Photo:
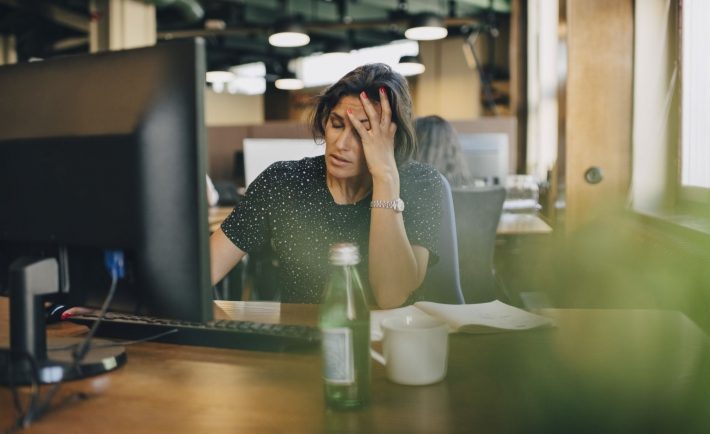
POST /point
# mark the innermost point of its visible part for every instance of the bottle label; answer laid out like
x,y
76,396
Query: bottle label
x,y
338,363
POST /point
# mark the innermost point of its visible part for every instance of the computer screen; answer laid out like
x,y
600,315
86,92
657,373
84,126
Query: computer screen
x,y
107,151
261,153
486,155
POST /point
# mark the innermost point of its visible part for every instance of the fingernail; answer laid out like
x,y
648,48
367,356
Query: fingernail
x,y
363,95
66,315
350,111
382,90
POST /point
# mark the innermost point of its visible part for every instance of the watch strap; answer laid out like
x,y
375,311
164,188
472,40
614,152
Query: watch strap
x,y
395,204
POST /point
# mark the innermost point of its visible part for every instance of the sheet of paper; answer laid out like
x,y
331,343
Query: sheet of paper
x,y
484,317
521,204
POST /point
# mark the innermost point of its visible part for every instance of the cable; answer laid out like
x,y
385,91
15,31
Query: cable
x,y
116,344
113,260
21,420
137,341
77,355
80,352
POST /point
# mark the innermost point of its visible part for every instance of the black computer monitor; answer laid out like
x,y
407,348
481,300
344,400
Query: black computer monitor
x,y
107,152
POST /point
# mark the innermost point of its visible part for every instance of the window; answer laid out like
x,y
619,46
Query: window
x,y
695,100
671,131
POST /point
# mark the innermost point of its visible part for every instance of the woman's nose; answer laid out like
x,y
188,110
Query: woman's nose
x,y
346,139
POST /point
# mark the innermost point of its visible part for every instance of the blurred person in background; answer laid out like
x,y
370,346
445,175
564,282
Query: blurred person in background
x,y
438,145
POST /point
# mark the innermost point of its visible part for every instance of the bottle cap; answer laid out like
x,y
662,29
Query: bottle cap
x,y
344,254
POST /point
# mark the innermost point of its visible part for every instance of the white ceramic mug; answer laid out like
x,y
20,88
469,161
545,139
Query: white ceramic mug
x,y
415,350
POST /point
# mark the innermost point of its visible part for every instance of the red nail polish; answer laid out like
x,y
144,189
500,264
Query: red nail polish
x,y
350,111
363,95
66,315
382,89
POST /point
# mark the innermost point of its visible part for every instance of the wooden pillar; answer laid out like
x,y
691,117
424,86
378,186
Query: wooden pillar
x,y
598,106
8,53
121,24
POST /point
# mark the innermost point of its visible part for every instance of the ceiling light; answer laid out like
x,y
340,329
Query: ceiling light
x,y
219,76
321,70
247,79
215,24
218,86
254,69
289,33
426,27
288,83
247,85
409,65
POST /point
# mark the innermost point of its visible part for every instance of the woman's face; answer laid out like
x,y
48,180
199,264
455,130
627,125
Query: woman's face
x,y
344,157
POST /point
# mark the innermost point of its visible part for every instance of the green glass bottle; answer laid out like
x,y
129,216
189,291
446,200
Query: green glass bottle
x,y
345,325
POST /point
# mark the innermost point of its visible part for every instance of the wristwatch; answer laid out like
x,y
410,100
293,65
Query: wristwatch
x,y
395,204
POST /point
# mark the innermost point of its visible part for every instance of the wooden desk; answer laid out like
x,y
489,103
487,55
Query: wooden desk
x,y
599,371
522,224
216,215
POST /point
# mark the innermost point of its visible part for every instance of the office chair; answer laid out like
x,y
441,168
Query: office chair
x,y
441,283
477,212
228,193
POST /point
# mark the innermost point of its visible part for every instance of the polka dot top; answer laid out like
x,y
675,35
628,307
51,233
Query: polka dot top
x,y
290,208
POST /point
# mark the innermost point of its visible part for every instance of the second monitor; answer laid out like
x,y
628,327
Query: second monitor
x,y
261,153
487,156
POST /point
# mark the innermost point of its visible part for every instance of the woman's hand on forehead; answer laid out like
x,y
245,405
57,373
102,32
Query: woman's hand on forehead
x,y
378,140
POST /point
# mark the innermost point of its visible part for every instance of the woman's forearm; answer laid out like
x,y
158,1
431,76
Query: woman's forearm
x,y
224,255
395,270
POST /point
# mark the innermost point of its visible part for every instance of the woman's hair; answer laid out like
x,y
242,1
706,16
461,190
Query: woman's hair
x,y
438,145
370,78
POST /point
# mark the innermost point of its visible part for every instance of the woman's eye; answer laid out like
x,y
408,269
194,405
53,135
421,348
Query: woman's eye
x,y
336,125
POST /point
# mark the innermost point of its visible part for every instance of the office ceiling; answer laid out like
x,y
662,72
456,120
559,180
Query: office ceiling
x,y
236,30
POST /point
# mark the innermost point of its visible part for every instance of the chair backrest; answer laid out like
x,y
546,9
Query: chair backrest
x,y
228,193
477,212
442,283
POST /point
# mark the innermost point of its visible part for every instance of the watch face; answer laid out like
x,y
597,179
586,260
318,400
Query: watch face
x,y
399,205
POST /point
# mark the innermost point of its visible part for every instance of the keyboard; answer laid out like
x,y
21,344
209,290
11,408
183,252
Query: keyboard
x,y
234,334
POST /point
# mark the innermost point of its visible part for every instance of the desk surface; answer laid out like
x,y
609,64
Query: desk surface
x,y
522,224
217,214
598,371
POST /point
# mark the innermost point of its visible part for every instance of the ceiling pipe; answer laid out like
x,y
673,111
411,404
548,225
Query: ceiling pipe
x,y
313,26
191,10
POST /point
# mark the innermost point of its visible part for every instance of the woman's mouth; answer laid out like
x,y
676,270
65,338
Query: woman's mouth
x,y
338,160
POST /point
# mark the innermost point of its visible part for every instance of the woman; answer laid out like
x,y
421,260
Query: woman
x,y
352,193
438,145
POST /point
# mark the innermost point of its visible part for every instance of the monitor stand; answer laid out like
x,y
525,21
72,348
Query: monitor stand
x,y
29,360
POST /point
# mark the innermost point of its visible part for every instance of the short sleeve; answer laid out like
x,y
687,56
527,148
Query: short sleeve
x,y
248,224
422,191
